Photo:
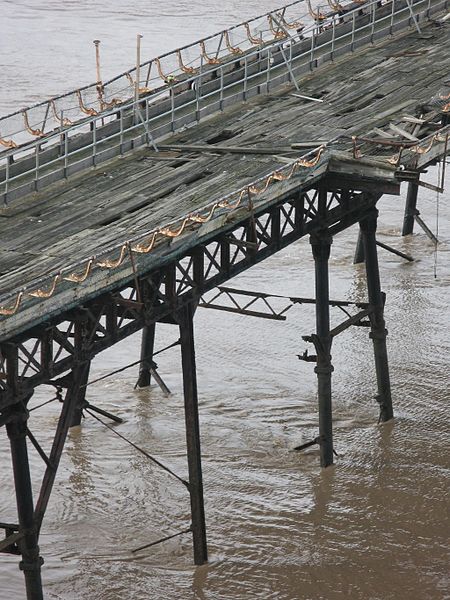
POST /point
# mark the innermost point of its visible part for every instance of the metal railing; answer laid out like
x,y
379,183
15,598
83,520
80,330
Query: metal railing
x,y
187,98
42,118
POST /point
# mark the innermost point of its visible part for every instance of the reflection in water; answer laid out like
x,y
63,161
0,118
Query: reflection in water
x,y
372,527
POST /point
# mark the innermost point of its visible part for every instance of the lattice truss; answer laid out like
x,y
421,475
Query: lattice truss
x,y
50,351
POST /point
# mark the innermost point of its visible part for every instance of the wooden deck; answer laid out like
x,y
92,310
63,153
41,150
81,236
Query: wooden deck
x,y
90,212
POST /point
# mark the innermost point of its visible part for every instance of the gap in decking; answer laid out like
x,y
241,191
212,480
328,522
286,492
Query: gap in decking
x,y
223,136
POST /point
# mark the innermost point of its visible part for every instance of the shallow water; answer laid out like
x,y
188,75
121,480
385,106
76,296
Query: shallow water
x,y
374,526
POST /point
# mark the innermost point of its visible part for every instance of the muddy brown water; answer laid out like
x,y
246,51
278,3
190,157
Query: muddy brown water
x,y
375,526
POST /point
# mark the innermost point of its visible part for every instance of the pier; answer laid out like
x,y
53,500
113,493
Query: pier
x,y
134,202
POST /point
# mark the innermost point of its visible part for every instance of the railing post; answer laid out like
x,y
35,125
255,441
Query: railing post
x,y
197,90
8,162
221,88
269,58
121,131
66,154
311,58
94,141
352,44
172,108
36,168
333,38
245,78
374,8
392,17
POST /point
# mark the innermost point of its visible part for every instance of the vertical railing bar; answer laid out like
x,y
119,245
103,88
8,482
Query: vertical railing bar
x,y
172,108
38,146
221,89
352,44
392,17
66,154
333,38
147,119
313,39
8,159
121,130
373,22
94,141
245,77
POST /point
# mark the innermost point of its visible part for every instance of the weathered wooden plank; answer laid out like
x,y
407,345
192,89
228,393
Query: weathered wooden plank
x,y
127,196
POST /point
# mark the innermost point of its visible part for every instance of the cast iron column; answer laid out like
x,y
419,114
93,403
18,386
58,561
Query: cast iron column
x,y
147,346
185,318
31,561
81,386
359,251
376,301
410,208
321,243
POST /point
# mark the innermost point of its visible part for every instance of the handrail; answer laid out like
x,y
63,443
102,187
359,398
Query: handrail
x,y
145,243
93,88
105,135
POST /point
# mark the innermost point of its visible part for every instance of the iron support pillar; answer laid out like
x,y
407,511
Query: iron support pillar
x,y
185,318
65,419
147,347
321,244
410,208
31,561
378,331
81,386
359,251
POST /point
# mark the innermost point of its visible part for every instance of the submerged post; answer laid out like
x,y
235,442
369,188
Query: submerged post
x,y
321,243
185,318
31,561
359,251
16,428
378,331
81,386
410,207
147,347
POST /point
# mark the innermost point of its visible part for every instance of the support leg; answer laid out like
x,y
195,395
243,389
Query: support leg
x,y
378,330
321,251
359,251
65,419
28,545
185,317
410,208
147,346
78,411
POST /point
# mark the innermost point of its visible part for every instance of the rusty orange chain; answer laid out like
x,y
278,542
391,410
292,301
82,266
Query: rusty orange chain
x,y
173,229
90,111
205,214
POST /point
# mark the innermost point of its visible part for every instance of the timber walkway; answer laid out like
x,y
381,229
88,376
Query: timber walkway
x,y
383,85
122,212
